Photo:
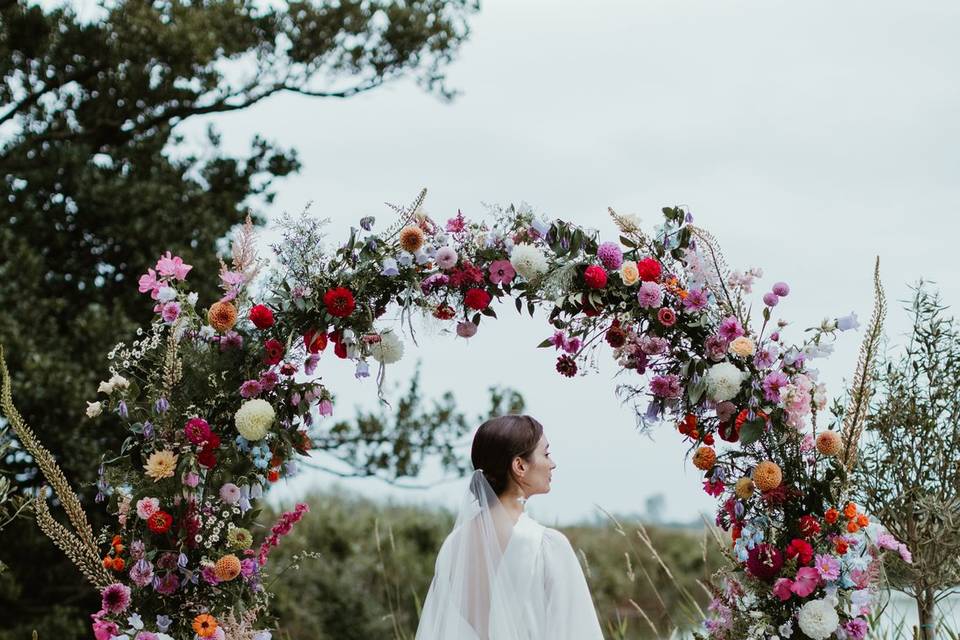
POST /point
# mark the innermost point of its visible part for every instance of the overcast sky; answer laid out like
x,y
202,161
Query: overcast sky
x,y
808,137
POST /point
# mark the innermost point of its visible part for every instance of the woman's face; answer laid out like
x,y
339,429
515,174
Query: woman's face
x,y
535,472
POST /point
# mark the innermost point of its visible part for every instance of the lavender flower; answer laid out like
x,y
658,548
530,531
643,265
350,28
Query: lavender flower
x,y
781,289
161,405
142,572
390,268
771,299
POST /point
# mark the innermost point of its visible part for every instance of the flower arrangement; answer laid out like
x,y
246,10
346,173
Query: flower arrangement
x,y
218,402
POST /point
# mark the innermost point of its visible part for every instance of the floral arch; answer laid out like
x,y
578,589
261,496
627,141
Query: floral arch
x,y
219,400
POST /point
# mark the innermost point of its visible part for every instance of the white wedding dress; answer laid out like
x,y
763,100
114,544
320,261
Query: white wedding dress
x,y
496,580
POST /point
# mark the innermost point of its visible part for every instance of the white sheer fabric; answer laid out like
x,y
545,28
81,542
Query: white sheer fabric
x,y
496,580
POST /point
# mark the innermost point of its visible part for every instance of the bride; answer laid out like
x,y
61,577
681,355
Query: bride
x,y
500,575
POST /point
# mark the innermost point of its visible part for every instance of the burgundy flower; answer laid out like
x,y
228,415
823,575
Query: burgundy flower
x,y
567,366
764,561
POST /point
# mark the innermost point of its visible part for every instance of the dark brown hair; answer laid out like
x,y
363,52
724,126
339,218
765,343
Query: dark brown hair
x,y
498,441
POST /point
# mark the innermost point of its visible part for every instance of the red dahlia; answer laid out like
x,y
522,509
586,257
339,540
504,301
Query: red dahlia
x,y
261,316
339,302
595,277
274,351
567,366
160,522
649,270
315,341
477,299
801,550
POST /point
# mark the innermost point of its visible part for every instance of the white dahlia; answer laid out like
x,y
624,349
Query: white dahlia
x,y
818,619
389,349
253,419
723,381
528,261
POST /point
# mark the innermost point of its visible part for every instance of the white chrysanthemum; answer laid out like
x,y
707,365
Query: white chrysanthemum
x,y
723,381
818,619
389,349
528,261
253,419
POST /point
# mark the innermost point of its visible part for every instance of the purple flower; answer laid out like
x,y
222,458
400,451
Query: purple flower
x,y
695,301
730,329
716,348
310,364
572,345
558,340
325,408
142,572
209,575
772,384
170,312
770,299
137,549
848,322
146,635
828,566
667,386
856,629
649,295
610,255
250,389
766,357
781,289
231,340
248,567
115,598
390,267
161,405
268,380
191,479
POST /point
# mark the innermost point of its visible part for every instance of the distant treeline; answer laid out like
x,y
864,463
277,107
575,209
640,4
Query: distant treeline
x,y
376,561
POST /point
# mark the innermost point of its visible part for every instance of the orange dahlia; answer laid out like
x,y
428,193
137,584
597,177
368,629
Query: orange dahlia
x,y
411,238
767,475
704,458
222,316
829,443
205,625
831,515
227,567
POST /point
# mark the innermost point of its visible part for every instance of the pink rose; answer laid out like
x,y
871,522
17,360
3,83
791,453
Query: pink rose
x,y
146,507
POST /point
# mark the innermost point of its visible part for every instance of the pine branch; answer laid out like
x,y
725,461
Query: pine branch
x,y
45,460
855,414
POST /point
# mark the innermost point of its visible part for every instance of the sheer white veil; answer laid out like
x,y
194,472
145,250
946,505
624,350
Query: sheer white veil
x,y
468,584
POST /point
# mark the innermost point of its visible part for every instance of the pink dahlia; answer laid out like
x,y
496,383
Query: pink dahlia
x,y
115,598
610,255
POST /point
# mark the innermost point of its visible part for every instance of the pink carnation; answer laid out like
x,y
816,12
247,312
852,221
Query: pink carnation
x,y
146,507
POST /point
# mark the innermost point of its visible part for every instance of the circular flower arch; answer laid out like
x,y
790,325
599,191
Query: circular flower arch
x,y
220,399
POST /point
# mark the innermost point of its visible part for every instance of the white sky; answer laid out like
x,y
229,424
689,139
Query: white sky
x,y
809,137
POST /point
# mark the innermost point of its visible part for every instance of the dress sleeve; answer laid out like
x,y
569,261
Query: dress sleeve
x,y
570,611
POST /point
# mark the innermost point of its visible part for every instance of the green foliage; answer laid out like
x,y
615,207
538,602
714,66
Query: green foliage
x,y
96,182
907,473
376,562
